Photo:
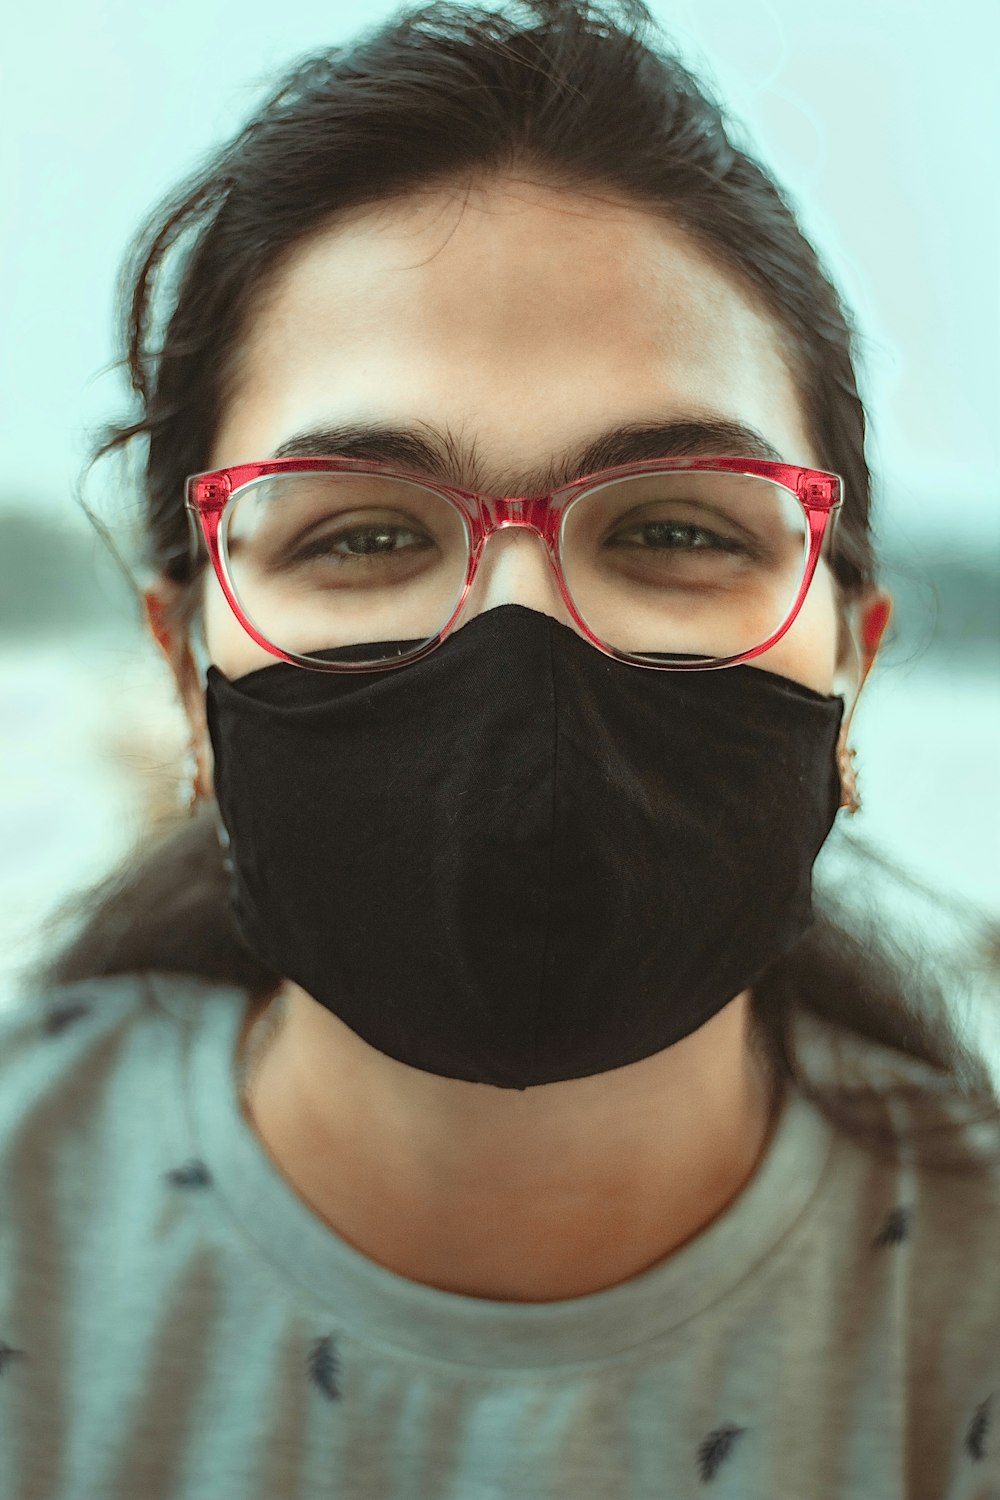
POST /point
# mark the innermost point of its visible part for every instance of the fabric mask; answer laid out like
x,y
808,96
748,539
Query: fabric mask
x,y
518,860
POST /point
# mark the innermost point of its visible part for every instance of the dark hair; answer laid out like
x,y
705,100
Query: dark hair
x,y
580,98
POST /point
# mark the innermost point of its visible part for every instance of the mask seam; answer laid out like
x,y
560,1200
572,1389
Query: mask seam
x,y
548,883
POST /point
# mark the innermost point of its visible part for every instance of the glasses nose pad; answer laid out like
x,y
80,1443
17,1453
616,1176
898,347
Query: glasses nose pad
x,y
515,568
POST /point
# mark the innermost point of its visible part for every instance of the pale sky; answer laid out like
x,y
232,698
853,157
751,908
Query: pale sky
x,y
881,117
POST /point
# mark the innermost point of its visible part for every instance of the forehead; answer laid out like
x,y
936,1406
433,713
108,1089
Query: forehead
x,y
519,315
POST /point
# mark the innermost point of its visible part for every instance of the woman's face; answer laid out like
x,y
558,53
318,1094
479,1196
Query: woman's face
x,y
525,321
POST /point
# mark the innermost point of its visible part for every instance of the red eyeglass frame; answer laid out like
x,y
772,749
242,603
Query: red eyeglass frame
x,y
819,493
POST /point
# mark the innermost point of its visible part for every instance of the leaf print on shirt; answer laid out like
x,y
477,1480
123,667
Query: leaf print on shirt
x,y
716,1449
895,1229
975,1438
192,1174
8,1355
324,1366
64,1015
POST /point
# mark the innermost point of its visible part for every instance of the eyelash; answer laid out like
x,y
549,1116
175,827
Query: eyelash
x,y
321,547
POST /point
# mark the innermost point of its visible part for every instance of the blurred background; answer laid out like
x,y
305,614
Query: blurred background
x,y
883,123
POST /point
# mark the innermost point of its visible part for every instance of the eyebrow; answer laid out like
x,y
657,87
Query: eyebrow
x,y
437,452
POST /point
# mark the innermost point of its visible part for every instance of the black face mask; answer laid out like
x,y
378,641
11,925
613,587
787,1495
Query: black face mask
x,y
519,860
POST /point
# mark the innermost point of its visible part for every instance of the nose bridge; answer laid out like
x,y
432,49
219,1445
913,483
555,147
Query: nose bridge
x,y
515,565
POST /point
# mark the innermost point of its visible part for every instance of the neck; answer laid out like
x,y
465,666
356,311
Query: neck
x,y
554,1192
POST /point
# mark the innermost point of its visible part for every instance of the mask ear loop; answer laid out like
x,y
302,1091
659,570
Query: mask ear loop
x,y
199,649
202,660
847,684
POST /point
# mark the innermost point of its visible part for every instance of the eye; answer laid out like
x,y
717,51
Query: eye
x,y
678,536
379,540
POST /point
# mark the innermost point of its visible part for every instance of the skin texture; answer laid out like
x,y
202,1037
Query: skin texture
x,y
528,319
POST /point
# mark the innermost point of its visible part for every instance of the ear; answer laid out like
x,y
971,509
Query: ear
x,y
868,622
875,614
160,605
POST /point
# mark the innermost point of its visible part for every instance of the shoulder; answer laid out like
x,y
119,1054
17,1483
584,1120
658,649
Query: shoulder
x,y
60,1047
41,1035
924,1143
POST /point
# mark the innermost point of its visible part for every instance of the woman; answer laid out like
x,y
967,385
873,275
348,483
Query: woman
x,y
439,1134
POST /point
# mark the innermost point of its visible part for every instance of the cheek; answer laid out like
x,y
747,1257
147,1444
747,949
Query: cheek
x,y
232,650
808,652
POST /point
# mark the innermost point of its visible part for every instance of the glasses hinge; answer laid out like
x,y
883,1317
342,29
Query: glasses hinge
x,y
819,491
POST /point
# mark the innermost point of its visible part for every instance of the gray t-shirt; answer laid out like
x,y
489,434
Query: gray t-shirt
x,y
176,1321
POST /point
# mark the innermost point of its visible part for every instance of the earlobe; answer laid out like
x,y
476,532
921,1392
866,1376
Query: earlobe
x,y
155,619
875,620
864,627
875,613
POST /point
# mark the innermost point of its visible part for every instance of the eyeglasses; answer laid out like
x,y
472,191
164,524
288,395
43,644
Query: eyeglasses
x,y
676,564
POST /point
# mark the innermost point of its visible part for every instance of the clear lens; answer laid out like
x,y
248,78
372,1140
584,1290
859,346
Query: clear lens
x,y
692,563
680,563
320,561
